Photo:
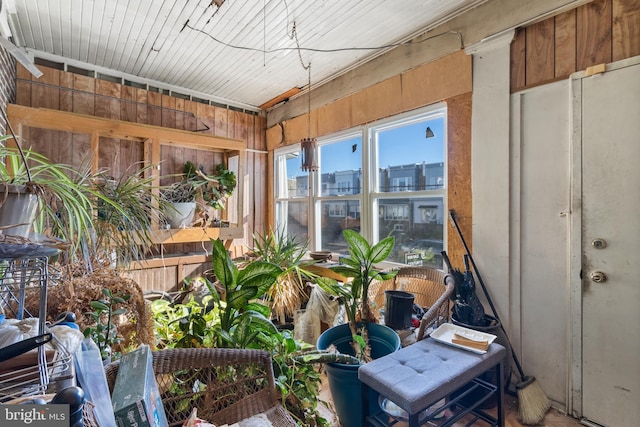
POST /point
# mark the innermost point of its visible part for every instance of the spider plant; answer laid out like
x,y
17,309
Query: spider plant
x,y
65,206
126,210
82,208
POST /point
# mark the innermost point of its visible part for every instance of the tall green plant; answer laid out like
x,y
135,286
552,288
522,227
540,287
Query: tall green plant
x,y
360,267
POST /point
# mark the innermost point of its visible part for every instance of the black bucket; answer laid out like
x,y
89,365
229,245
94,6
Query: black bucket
x,y
398,309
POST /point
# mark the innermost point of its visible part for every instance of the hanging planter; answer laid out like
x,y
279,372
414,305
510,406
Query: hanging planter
x,y
19,203
38,195
18,209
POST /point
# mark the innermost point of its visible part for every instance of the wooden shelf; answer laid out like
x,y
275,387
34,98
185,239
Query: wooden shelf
x,y
188,235
152,139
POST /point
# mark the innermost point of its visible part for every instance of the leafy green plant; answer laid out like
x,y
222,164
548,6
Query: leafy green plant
x,y
288,293
244,321
184,325
354,293
298,381
195,184
192,324
104,333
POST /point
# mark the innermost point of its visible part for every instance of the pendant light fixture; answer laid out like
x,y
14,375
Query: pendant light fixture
x,y
309,146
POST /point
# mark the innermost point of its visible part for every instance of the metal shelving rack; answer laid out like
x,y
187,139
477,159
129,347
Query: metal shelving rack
x,y
25,275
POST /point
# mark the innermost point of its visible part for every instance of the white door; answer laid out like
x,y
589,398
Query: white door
x,y
611,247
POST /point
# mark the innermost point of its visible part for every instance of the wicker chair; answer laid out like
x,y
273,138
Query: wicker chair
x,y
226,385
432,288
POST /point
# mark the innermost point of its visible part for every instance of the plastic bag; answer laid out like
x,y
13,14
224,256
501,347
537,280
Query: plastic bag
x,y
320,308
91,377
324,304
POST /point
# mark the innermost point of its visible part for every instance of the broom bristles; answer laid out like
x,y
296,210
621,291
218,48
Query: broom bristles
x,y
533,403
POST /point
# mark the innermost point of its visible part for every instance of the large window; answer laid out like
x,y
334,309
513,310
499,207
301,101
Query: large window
x,y
384,179
292,194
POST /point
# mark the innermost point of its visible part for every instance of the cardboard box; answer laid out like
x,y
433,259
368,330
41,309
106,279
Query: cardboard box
x,y
136,398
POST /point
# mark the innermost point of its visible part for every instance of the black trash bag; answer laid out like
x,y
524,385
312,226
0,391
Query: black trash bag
x,y
418,311
456,274
469,306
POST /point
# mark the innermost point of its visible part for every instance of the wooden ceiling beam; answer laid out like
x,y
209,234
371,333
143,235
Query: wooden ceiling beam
x,y
280,98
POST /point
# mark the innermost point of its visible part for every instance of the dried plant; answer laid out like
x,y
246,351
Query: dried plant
x,y
289,293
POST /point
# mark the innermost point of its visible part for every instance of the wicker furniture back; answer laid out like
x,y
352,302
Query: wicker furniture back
x,y
432,288
226,385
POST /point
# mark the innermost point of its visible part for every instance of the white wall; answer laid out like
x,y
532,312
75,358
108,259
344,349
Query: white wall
x,y
520,170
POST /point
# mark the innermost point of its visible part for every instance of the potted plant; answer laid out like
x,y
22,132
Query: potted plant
x,y
361,336
197,190
89,215
56,195
288,294
126,209
231,315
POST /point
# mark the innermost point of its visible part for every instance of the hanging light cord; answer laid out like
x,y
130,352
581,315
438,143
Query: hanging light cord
x,y
309,103
294,36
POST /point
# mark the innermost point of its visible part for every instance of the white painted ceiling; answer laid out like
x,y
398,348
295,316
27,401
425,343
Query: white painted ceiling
x,y
244,52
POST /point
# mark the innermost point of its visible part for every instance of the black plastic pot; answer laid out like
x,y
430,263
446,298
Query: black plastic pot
x,y
398,309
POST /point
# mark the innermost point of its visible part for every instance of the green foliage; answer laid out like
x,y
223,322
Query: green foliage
x,y
195,184
86,209
65,207
105,333
298,381
242,322
354,294
125,214
186,325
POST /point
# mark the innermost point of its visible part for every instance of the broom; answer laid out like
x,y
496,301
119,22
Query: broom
x,y
533,403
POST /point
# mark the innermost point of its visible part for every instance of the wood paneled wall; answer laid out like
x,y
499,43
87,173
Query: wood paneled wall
x,y
599,32
66,91
427,84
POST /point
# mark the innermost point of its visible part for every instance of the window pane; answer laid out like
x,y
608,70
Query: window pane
x,y
341,167
417,225
294,216
336,216
292,181
407,159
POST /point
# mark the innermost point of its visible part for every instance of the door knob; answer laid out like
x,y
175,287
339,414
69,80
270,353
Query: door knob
x,y
598,276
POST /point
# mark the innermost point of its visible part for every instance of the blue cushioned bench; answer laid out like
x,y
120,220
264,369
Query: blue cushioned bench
x,y
418,376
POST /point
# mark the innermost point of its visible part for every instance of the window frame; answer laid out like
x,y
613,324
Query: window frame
x,y
370,195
